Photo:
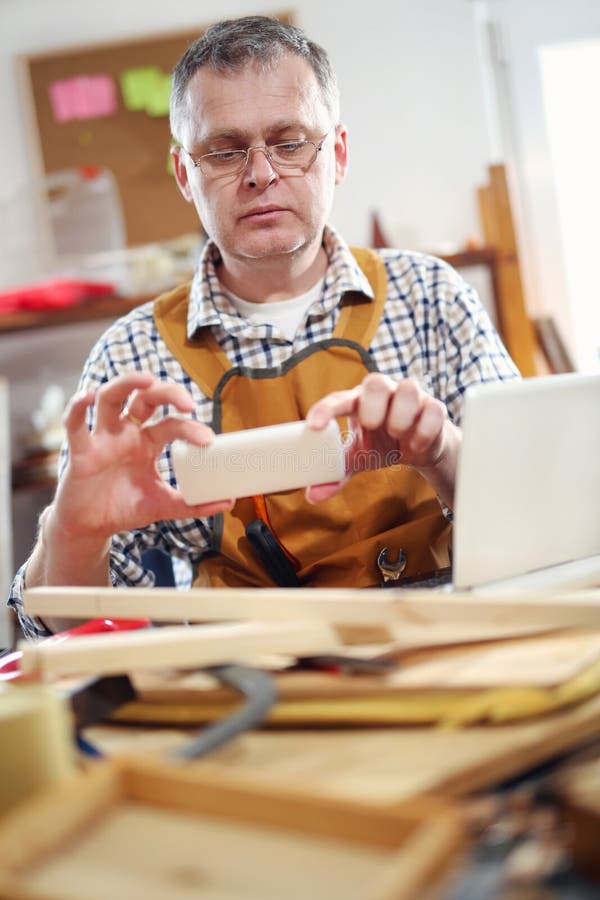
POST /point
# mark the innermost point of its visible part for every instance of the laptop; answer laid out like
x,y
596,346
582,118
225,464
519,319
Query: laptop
x,y
527,505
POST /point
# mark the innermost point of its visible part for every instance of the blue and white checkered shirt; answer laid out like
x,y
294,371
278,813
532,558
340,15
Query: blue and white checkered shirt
x,y
434,330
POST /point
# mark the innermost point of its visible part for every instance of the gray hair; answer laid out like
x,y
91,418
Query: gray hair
x,y
230,45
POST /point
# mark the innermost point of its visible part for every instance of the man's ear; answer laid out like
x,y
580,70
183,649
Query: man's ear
x,y
341,153
180,170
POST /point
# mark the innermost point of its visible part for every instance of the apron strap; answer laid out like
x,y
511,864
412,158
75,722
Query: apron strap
x,y
359,319
202,357
205,361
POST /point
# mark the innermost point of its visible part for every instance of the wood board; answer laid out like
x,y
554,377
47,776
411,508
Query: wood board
x,y
113,652
384,767
545,661
143,831
340,606
458,686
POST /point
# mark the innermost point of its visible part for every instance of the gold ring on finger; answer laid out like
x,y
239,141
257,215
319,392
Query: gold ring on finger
x,y
129,415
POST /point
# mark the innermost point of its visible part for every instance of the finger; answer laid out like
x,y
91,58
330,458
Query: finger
x,y
142,404
317,493
112,395
172,429
75,420
178,509
405,408
374,401
173,506
339,403
428,432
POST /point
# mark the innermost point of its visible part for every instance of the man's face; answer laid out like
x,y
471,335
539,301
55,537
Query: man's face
x,y
261,212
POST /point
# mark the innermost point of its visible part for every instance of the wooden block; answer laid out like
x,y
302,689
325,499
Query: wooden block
x,y
178,646
36,743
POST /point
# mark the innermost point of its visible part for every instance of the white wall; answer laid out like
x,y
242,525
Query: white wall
x,y
524,27
410,87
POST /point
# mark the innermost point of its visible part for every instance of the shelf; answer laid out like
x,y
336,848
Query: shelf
x,y
478,256
87,311
113,307
35,472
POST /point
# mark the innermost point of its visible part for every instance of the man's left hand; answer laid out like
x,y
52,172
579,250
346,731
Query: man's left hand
x,y
391,422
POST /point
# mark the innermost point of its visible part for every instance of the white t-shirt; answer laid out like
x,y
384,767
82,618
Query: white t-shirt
x,y
285,315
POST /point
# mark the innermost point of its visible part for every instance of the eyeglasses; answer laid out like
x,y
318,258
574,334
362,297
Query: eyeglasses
x,y
299,155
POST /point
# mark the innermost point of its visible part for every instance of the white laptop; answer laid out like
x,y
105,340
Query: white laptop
x,y
527,507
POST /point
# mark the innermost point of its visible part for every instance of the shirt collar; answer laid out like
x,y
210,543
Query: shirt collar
x,y
209,304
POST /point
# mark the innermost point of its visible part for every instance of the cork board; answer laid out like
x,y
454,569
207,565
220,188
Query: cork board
x,y
132,143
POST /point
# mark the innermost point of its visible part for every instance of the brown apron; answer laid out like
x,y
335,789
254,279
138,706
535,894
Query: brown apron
x,y
336,543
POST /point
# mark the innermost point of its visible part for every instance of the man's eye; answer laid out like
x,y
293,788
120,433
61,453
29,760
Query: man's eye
x,y
225,156
289,147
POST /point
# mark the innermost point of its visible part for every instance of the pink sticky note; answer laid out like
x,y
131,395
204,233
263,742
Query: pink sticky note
x,y
83,97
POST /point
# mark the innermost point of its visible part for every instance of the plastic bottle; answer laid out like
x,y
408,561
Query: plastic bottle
x,y
85,212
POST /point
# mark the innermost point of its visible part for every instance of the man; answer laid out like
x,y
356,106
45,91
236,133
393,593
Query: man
x,y
282,322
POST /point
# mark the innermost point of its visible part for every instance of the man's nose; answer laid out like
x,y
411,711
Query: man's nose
x,y
259,170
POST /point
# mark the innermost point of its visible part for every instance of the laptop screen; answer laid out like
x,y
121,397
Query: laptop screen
x,y
528,481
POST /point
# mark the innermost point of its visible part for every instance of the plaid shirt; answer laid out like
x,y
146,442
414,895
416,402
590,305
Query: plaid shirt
x,y
434,330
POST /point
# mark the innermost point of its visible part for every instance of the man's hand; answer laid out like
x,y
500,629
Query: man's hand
x,y
111,482
391,422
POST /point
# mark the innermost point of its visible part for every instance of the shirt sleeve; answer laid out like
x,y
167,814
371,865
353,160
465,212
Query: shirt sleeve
x,y
33,628
118,351
468,349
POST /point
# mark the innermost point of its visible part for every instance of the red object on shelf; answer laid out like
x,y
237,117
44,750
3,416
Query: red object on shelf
x,y
54,294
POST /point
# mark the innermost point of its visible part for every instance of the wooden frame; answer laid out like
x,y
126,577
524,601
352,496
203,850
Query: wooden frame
x,y
274,843
515,325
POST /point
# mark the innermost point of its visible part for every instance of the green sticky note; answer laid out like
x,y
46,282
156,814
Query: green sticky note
x,y
159,95
138,86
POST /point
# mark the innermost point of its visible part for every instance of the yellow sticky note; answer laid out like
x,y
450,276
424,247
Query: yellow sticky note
x,y
138,86
157,103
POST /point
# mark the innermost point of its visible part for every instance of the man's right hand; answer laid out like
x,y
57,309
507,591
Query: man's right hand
x,y
111,481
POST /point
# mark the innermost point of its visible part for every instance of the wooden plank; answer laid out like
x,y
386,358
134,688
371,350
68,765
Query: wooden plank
x,y
499,231
337,606
175,646
561,610
372,607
